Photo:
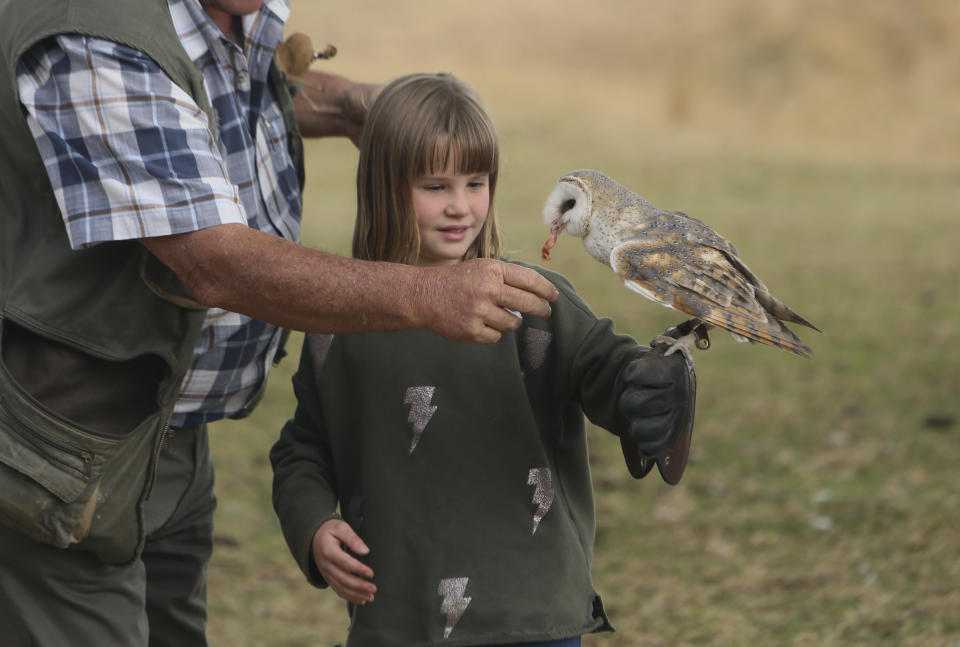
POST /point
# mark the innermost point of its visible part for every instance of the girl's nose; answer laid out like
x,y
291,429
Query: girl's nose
x,y
458,205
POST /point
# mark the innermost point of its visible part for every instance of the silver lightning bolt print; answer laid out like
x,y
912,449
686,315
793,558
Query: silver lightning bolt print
x,y
542,477
533,349
318,345
454,604
419,397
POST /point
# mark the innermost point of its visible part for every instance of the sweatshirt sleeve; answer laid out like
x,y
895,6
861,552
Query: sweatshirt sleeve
x,y
591,357
304,480
598,365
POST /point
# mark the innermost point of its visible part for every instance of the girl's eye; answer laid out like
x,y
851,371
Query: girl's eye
x,y
433,187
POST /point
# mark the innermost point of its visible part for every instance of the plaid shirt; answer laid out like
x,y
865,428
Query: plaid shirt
x,y
130,155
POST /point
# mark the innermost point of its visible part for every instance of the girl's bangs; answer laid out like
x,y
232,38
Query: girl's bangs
x,y
473,150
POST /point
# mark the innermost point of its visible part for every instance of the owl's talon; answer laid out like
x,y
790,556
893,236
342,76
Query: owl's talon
x,y
684,344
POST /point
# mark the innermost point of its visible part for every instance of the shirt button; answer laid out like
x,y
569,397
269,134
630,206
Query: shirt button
x,y
242,80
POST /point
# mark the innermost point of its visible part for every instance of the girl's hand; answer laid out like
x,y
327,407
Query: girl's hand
x,y
346,575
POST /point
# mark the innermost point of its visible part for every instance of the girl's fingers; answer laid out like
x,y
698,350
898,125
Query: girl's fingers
x,y
345,534
349,564
331,549
346,575
349,586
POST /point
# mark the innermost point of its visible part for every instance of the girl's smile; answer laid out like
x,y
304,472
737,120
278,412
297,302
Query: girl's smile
x,y
454,233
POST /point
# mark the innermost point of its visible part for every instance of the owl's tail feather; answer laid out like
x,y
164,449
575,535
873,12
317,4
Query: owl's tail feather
x,y
771,332
781,310
770,303
789,341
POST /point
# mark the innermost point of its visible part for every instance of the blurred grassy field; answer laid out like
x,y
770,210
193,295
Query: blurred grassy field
x,y
822,503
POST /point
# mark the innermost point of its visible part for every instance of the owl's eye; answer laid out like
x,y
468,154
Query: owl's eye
x,y
569,204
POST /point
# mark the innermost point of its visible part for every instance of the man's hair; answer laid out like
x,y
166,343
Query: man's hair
x,y
416,124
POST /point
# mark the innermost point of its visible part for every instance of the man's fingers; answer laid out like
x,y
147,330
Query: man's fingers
x,y
523,302
530,281
500,319
483,329
527,291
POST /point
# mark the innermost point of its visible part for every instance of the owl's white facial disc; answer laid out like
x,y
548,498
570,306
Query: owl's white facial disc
x,y
568,207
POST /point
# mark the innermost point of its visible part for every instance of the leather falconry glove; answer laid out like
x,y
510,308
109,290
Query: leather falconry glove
x,y
657,404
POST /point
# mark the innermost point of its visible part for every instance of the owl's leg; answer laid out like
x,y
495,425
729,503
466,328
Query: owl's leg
x,y
685,344
684,338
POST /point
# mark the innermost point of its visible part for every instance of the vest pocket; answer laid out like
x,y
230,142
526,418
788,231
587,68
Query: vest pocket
x,y
63,483
104,397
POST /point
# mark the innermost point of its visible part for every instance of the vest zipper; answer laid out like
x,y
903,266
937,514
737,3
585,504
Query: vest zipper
x,y
155,463
34,437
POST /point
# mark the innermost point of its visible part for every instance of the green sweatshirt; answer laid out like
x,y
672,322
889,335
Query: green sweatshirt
x,y
463,467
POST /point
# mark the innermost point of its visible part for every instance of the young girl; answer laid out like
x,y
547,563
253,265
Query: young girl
x,y
460,471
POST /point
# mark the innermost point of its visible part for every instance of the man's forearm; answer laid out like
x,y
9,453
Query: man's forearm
x,y
283,283
280,282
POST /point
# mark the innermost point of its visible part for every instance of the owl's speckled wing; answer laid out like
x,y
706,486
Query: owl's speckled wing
x,y
682,264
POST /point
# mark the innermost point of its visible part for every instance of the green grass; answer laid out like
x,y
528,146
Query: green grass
x,y
821,506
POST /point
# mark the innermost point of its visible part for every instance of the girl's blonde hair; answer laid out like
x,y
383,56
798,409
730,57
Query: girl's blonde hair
x,y
417,122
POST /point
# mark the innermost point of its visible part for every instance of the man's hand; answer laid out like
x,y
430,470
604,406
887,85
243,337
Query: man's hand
x,y
346,575
356,104
657,401
468,302
328,105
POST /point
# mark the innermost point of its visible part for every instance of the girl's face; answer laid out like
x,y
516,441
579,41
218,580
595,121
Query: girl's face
x,y
451,208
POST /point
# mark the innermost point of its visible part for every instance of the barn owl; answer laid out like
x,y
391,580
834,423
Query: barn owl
x,y
672,259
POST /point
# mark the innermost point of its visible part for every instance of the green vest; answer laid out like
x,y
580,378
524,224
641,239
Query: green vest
x,y
95,341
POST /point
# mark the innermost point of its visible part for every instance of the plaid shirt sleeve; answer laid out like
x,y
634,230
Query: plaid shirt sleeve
x,y
129,153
